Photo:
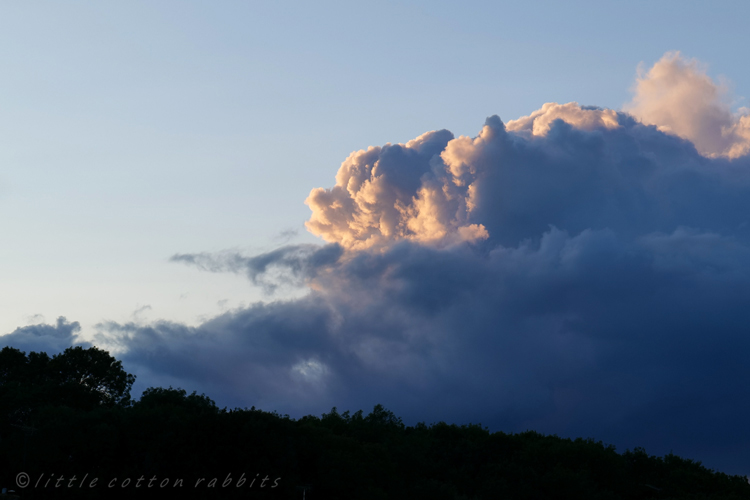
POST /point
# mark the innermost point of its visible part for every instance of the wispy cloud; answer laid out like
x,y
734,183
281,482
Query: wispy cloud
x,y
291,265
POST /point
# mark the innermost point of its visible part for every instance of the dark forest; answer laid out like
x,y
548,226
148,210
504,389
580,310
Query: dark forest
x,y
69,424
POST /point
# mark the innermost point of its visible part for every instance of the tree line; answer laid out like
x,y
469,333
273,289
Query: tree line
x,y
68,420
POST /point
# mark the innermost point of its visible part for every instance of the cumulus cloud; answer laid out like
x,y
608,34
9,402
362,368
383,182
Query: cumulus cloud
x,y
398,191
679,97
434,189
586,118
578,271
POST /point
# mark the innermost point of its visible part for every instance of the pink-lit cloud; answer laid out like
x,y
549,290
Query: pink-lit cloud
x,y
679,97
395,192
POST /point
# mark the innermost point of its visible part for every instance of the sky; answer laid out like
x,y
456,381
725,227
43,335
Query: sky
x,y
532,215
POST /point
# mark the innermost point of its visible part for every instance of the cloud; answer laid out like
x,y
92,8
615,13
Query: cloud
x,y
539,122
576,271
636,341
398,191
579,271
292,265
42,337
677,96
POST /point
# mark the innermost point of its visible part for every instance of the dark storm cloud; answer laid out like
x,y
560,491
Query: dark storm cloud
x,y
638,342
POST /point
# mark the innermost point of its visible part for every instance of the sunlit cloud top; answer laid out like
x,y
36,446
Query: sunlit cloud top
x,y
679,97
427,190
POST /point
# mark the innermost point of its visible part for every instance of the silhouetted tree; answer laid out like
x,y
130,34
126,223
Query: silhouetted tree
x,y
93,375
72,414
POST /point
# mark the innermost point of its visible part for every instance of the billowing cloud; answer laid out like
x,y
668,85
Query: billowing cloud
x,y
576,271
579,271
399,191
539,122
677,96
435,189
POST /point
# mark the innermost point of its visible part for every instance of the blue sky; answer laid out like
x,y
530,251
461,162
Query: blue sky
x,y
134,132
